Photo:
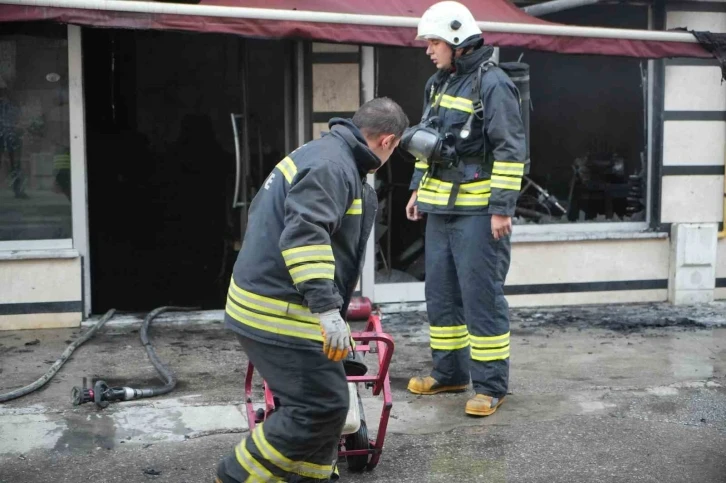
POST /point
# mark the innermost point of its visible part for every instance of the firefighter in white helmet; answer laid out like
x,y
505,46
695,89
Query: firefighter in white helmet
x,y
451,22
470,153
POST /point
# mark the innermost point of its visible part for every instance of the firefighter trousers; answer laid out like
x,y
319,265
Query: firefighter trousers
x,y
468,314
299,441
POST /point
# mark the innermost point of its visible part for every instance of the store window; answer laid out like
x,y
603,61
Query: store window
x,y
35,182
588,142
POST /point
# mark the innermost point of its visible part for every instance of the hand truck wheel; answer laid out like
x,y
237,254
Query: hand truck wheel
x,y
355,441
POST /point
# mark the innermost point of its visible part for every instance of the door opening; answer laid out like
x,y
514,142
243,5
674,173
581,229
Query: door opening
x,y
161,158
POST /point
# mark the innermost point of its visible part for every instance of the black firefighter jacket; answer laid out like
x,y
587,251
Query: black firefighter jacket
x,y
305,240
489,180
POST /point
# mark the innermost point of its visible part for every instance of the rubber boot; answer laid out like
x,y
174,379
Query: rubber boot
x,y
428,386
481,405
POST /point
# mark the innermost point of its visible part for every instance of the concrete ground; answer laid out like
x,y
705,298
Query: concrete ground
x,y
598,394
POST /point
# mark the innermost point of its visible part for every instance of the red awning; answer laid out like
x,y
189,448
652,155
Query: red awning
x,y
500,11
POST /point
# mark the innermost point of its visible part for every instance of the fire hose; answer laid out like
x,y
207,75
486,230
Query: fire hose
x,y
101,394
58,364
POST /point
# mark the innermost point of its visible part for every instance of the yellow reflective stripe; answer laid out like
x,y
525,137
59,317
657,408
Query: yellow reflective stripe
x,y
309,253
274,325
449,344
255,469
270,306
352,340
436,192
508,168
504,338
433,184
458,103
507,183
449,338
500,345
431,198
472,200
476,187
490,348
309,271
421,165
287,168
451,331
356,208
461,200
489,355
62,161
302,468
457,107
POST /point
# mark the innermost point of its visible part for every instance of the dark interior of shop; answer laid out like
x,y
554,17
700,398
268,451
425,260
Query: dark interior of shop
x,y
161,160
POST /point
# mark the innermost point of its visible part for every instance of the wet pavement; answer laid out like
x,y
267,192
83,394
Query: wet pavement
x,y
598,394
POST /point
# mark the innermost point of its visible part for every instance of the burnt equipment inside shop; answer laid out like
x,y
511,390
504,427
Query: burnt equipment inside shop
x,y
585,167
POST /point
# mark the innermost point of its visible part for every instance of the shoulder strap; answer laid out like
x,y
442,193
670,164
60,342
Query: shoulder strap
x,y
432,98
483,69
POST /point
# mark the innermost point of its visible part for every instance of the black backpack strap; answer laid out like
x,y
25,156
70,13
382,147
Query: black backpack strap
x,y
478,106
432,99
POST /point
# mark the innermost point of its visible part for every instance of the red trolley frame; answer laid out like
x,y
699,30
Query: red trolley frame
x,y
372,340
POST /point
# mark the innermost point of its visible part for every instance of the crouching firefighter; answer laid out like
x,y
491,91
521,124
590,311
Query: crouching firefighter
x,y
299,264
470,151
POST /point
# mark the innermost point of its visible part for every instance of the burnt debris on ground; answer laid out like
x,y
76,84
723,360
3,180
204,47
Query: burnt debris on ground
x,y
622,318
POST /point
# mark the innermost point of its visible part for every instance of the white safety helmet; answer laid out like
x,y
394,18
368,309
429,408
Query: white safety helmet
x,y
451,22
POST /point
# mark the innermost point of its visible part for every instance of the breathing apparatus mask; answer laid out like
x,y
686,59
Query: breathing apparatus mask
x,y
426,143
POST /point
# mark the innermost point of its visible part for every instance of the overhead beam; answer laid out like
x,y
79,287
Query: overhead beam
x,y
349,19
553,6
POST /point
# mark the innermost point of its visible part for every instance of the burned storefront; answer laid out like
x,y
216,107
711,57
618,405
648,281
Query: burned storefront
x,y
167,118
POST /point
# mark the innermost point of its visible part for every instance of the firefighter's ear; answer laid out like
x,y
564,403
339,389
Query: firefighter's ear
x,y
389,141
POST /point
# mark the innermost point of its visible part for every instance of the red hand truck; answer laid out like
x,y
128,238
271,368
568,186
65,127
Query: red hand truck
x,y
359,450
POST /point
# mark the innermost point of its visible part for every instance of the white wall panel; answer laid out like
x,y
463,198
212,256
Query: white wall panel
x,y
39,281
573,262
694,88
584,298
595,261
29,281
318,128
721,259
40,321
710,21
700,143
336,87
692,199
